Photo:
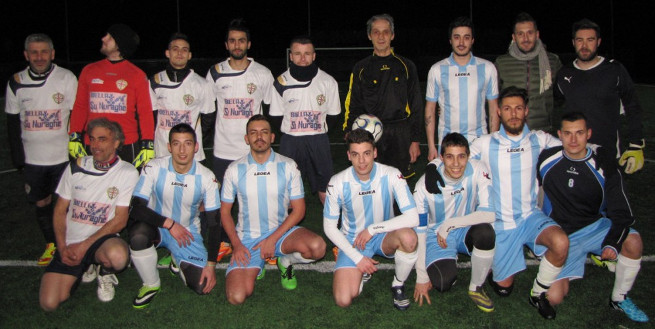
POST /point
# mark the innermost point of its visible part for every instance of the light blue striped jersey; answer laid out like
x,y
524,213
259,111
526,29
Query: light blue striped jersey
x,y
264,192
461,92
513,166
361,204
472,192
178,196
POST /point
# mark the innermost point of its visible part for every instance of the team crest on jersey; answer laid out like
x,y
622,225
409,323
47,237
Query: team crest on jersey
x,y
112,192
58,98
251,88
188,99
320,99
385,67
121,84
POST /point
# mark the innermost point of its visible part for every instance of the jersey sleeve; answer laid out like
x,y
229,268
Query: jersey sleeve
x,y
229,188
128,182
630,103
144,109
64,187
277,100
80,111
431,93
353,103
332,207
146,181
333,100
11,101
492,84
211,197
483,180
295,186
268,87
618,208
207,92
401,192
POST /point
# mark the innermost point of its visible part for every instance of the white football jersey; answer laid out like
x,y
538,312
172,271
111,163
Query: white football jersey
x,y
179,102
239,96
513,165
361,204
461,92
264,192
178,196
304,105
44,107
94,195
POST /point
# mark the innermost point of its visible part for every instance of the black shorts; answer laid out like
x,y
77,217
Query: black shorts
x,y
313,157
42,181
57,266
393,146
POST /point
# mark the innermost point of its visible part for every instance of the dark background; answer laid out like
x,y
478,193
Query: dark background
x,y
421,29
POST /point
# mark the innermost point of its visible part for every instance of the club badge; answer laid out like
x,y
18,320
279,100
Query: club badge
x,y
251,88
188,99
320,99
58,98
121,84
112,192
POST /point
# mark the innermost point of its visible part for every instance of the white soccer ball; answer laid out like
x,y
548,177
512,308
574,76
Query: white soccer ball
x,y
370,123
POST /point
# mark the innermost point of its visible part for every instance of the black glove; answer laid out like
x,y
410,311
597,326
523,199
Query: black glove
x,y
433,179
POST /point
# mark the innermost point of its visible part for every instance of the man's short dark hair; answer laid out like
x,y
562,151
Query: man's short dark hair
x,y
585,24
178,36
257,117
386,17
182,128
459,22
573,117
514,91
238,24
524,17
301,39
112,126
455,139
358,136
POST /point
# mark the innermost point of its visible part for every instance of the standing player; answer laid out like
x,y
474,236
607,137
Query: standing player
x,y
585,195
455,220
602,89
460,83
116,89
267,185
363,195
180,95
307,98
386,85
511,156
528,65
93,204
240,85
166,206
38,104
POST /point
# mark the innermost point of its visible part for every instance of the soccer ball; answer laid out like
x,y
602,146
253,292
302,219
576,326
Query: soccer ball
x,y
369,123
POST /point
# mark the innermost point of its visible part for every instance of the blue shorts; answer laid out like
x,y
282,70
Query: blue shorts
x,y
509,258
256,260
373,247
456,244
588,239
195,253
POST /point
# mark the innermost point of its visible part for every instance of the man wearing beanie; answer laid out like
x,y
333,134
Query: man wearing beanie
x,y
118,90
305,122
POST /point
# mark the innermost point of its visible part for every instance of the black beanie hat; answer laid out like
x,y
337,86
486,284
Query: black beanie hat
x,y
126,39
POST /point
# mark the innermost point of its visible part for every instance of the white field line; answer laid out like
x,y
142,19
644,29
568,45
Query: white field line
x,y
322,267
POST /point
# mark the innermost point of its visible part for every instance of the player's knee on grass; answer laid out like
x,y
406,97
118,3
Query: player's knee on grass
x,y
191,276
480,236
443,274
142,236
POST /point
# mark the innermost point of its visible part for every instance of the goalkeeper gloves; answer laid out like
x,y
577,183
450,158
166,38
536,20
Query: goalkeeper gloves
x,y
433,178
76,146
146,154
634,157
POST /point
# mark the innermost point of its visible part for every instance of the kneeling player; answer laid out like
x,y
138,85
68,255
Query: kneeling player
x,y
166,207
363,196
93,206
267,185
584,195
456,219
